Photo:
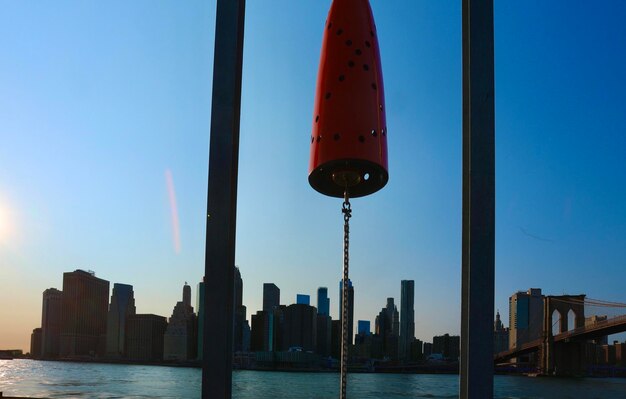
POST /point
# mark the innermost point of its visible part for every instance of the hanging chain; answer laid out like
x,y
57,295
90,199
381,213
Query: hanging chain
x,y
347,214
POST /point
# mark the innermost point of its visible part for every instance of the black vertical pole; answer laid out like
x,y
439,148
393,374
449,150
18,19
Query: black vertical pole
x,y
478,265
217,340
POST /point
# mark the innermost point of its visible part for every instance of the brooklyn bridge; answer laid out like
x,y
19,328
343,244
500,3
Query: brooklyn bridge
x,y
556,347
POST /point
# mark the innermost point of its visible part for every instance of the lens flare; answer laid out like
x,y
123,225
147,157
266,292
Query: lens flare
x,y
171,192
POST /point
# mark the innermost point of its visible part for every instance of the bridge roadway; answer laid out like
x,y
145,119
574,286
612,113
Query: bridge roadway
x,y
599,329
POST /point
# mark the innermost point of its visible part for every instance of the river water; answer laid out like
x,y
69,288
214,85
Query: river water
x,y
84,380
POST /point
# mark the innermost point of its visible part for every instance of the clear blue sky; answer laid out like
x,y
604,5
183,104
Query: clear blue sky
x,y
99,100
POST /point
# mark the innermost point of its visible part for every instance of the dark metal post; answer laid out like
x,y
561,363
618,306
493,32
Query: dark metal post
x,y
219,265
478,267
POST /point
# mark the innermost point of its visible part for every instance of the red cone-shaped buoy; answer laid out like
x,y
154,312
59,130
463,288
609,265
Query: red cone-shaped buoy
x,y
349,137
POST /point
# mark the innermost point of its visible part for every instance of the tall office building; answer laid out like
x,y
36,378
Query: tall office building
x,y
300,327
350,307
271,296
35,343
122,306
303,299
239,312
407,318
500,335
525,317
387,328
200,307
51,323
448,345
144,337
323,302
363,327
179,342
324,334
83,314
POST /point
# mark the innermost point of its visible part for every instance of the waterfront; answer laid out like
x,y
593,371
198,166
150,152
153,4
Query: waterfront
x,y
85,380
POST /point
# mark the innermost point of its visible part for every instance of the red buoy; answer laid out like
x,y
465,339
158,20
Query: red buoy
x,y
349,135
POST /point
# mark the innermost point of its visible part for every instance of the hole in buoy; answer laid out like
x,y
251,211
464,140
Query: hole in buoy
x,y
372,33
374,132
341,78
367,44
384,132
357,51
317,118
348,42
381,107
374,86
336,136
361,138
366,67
339,31
319,138
327,95
366,176
350,64
330,25
312,139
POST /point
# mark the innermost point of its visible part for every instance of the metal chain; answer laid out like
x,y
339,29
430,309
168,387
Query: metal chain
x,y
347,214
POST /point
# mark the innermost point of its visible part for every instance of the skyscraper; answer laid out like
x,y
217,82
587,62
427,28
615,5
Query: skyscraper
x,y
200,307
271,296
500,335
350,307
300,327
239,312
35,343
407,318
83,314
323,302
51,323
144,337
303,299
122,306
179,342
525,317
387,327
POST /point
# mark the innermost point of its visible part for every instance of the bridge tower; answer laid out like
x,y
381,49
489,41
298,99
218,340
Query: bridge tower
x,y
564,357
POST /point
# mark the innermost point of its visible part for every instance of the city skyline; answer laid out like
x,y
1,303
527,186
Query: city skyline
x,y
103,164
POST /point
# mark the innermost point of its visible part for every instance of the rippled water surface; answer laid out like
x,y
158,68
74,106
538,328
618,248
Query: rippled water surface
x,y
80,380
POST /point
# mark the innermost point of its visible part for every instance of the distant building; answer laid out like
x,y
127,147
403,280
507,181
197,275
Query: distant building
x,y
323,302
387,327
144,337
407,318
271,296
51,323
500,335
350,307
335,339
363,327
417,352
428,349
302,299
83,314
525,317
239,312
300,327
200,307
324,335
35,343
122,306
449,346
260,332
179,342
590,321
